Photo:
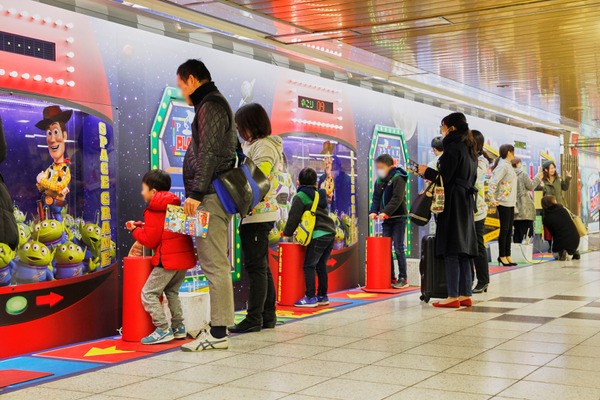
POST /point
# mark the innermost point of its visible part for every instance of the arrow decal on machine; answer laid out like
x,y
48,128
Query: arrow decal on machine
x,y
97,351
50,299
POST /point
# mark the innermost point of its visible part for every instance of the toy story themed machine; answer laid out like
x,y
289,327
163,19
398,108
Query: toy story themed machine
x,y
388,140
59,285
316,125
169,140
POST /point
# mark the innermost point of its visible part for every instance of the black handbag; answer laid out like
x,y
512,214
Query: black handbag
x,y
420,209
241,188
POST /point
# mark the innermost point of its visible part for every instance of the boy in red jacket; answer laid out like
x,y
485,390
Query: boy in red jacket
x,y
173,255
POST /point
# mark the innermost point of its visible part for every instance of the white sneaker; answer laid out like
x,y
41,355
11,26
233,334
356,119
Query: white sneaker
x,y
206,341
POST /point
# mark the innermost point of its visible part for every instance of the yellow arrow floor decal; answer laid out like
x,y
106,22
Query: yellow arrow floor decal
x,y
96,351
361,295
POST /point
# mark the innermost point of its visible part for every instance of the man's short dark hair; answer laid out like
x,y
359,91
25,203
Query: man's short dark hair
x,y
437,143
157,179
308,177
195,68
385,159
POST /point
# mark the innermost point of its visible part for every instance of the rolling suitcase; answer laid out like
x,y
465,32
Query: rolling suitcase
x,y
433,273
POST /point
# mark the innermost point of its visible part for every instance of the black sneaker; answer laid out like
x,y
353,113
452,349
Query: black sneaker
x,y
576,256
244,327
562,256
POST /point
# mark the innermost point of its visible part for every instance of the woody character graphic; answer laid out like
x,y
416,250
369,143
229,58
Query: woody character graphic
x,y
54,181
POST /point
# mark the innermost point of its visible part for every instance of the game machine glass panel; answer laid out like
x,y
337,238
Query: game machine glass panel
x,y
317,130
60,172
388,140
169,140
52,70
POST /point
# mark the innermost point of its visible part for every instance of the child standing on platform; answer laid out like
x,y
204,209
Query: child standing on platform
x,y
389,206
321,244
173,255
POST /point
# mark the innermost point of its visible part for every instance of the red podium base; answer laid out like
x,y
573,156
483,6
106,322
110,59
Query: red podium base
x,y
379,265
136,321
290,285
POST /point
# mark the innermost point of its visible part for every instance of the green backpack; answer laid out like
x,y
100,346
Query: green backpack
x,y
303,234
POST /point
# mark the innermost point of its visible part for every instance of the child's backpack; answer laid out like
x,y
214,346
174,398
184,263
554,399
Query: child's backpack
x,y
303,234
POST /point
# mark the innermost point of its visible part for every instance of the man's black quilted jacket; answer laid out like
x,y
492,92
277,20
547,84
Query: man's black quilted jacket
x,y
214,134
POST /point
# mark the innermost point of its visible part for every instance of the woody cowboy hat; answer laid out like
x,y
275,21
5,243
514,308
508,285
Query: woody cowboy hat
x,y
53,114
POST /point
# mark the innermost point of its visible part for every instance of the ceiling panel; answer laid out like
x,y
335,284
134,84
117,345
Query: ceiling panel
x,y
540,52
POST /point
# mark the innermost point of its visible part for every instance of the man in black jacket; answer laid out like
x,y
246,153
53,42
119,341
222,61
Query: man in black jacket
x,y
389,206
212,150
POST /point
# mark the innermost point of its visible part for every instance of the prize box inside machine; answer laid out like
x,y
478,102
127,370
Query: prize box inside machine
x,y
317,129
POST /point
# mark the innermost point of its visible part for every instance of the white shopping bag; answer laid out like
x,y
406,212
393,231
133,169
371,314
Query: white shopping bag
x,y
196,310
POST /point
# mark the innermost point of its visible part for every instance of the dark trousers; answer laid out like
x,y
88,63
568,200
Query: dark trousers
x,y
255,249
523,227
396,229
507,218
315,260
481,261
458,275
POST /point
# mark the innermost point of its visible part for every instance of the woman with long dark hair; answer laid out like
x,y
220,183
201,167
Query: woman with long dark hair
x,y
502,190
481,261
255,129
553,184
456,240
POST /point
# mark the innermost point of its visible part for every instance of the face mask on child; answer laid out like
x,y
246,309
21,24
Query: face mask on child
x,y
382,173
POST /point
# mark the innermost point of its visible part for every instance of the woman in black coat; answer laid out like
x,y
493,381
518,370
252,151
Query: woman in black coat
x,y
558,221
456,240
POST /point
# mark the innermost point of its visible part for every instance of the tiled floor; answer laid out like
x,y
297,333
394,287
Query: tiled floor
x,y
534,335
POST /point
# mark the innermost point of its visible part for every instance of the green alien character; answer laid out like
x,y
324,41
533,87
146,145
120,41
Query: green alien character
x,y
68,261
6,265
33,263
20,216
113,251
24,233
91,238
50,232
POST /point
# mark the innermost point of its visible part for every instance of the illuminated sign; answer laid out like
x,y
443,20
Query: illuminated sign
x,y
315,104
27,46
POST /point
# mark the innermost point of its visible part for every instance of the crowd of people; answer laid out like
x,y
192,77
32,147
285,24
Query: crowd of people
x,y
460,163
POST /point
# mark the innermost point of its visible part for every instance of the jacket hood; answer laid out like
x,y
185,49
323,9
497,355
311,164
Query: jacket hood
x,y
161,200
400,171
519,172
276,142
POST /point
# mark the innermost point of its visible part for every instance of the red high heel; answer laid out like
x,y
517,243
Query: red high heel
x,y
452,304
466,303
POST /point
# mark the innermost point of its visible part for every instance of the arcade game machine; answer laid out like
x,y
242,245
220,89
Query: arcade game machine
x,y
387,140
316,125
169,140
60,284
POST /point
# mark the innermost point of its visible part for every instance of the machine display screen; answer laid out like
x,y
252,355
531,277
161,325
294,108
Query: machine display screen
x,y
315,104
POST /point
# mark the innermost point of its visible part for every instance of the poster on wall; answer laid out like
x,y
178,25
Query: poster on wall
x,y
589,167
170,138
387,140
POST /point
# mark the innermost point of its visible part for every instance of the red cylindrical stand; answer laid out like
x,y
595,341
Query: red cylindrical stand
x,y
379,263
136,321
290,286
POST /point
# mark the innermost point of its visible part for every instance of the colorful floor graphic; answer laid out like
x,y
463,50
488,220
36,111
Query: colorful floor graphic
x,y
33,369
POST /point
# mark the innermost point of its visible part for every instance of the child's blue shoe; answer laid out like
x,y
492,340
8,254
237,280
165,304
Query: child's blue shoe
x,y
159,336
307,302
180,332
323,300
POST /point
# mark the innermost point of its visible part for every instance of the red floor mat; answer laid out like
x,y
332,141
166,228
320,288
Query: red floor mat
x,y
155,348
15,376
